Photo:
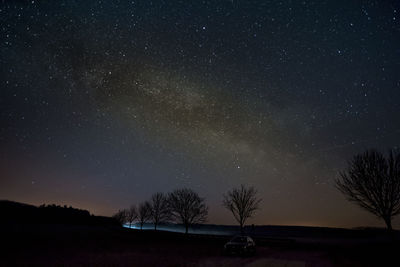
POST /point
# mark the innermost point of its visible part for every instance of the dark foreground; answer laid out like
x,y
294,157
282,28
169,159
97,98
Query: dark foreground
x,y
68,245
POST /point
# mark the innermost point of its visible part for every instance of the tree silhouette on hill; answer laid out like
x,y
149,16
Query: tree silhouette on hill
x,y
372,181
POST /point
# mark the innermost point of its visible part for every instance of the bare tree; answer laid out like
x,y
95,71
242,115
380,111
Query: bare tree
x,y
120,216
187,207
131,215
242,202
144,213
373,182
159,209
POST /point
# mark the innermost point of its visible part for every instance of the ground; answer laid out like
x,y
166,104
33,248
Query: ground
x,y
54,245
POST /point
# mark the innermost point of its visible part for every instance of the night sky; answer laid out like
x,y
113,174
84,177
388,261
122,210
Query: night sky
x,y
103,103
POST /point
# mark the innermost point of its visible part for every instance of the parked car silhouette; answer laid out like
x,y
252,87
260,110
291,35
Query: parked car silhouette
x,y
243,245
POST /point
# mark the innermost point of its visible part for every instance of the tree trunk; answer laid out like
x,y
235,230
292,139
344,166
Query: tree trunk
x,y
187,228
241,229
388,222
141,226
155,227
130,225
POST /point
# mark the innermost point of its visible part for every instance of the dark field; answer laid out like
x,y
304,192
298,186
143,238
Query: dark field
x,y
68,245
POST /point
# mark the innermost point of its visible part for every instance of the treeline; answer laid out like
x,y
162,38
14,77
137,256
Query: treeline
x,y
181,206
14,212
371,180
184,206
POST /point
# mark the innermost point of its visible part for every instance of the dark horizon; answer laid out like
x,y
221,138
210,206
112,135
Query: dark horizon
x,y
103,104
228,229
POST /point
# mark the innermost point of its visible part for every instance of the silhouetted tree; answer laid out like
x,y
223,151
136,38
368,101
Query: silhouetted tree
x,y
187,207
144,213
121,216
131,215
159,209
373,182
242,202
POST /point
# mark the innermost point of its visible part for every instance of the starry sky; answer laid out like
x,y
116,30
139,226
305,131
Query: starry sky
x,y
103,103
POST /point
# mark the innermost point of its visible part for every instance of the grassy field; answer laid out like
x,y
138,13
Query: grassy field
x,y
66,245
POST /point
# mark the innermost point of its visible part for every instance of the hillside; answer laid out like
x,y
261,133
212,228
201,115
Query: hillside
x,y
20,213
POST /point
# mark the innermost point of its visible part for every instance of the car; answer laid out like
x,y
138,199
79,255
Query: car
x,y
243,245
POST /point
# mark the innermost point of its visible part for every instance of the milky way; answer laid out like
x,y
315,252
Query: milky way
x,y
104,103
